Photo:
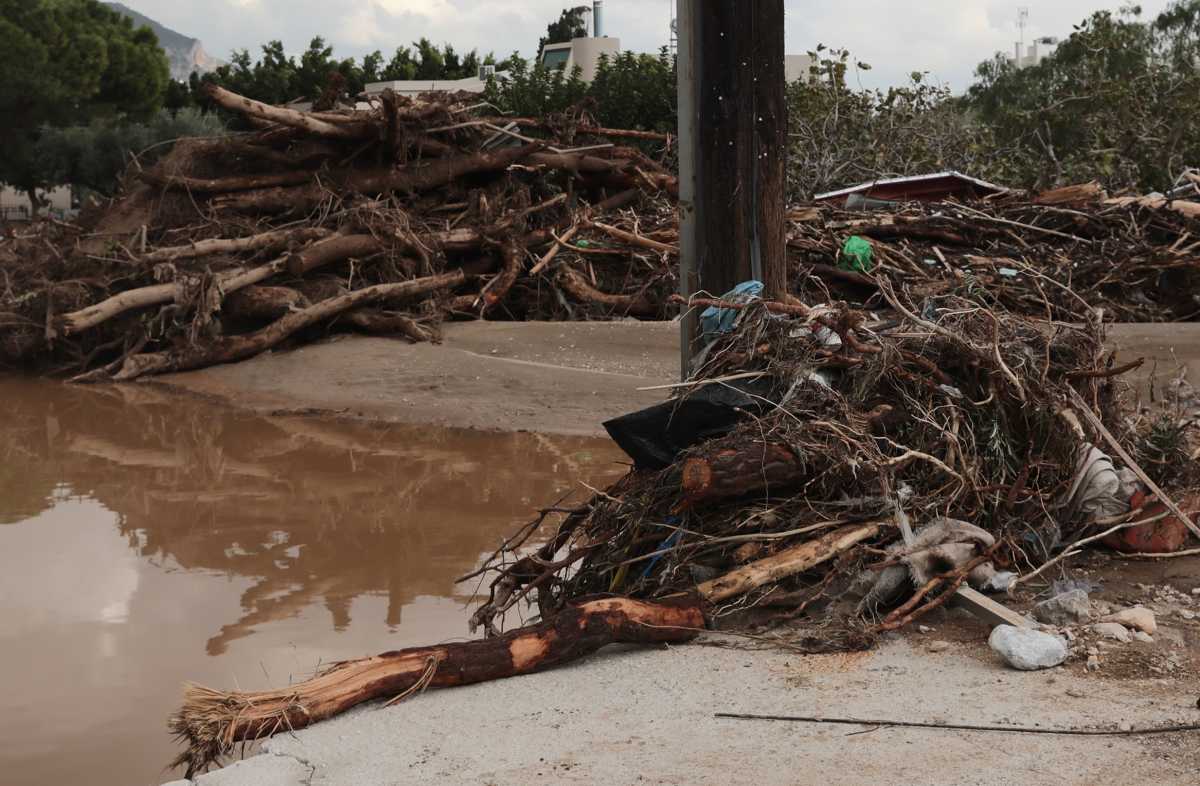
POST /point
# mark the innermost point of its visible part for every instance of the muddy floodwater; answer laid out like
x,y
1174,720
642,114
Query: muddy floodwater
x,y
148,538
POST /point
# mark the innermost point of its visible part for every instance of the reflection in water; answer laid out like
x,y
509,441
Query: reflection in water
x,y
147,538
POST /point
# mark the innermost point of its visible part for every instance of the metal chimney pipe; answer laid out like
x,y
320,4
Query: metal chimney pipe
x,y
597,26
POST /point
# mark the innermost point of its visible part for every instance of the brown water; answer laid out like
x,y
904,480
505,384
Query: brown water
x,y
147,539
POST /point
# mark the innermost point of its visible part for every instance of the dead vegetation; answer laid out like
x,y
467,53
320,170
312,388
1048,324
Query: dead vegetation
x,y
389,220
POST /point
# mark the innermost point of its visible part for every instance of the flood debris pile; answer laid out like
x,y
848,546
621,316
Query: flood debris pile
x,y
863,471
1055,255
388,221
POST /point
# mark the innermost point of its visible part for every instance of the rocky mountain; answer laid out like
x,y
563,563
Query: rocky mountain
x,y
184,54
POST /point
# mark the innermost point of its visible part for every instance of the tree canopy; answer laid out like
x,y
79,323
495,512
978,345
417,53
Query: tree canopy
x,y
1114,102
66,62
569,25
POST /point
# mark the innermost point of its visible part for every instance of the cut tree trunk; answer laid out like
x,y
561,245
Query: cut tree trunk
x,y
212,722
229,349
735,472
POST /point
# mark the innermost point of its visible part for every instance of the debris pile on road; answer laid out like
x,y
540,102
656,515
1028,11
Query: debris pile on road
x,y
1056,255
387,220
822,462
394,219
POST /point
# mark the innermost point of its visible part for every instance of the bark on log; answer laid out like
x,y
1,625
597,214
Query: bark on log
x,y
636,240
512,253
77,321
264,304
788,562
288,117
735,472
221,185
1078,194
211,722
229,349
418,176
264,240
575,286
332,249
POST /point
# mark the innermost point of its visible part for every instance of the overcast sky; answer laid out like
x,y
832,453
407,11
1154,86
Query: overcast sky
x,y
944,37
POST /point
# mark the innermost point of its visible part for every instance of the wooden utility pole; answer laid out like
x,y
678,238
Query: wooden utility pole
x,y
732,146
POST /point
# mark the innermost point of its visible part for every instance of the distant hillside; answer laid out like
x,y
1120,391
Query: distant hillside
x,y
184,54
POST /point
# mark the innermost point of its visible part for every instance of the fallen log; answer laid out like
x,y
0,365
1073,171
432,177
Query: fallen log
x,y
229,349
788,562
221,185
735,472
264,304
288,117
333,249
212,722
78,321
419,176
264,240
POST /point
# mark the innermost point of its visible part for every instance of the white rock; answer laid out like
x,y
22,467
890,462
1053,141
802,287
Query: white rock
x,y
1093,663
938,646
1027,649
1125,726
1187,614
1112,630
1138,618
923,629
1196,591
1143,636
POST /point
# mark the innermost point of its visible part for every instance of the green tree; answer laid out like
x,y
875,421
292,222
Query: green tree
x,y
65,62
1114,102
535,90
568,26
316,66
636,91
94,156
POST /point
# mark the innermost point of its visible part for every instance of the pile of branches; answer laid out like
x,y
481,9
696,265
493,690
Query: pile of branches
x,y
949,437
386,220
1055,256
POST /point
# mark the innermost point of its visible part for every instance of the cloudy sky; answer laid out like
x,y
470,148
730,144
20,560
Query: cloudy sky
x,y
944,37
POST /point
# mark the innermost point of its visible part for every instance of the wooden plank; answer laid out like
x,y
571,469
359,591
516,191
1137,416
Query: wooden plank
x,y
987,609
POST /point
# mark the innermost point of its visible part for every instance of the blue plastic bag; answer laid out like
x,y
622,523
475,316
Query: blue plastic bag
x,y
721,320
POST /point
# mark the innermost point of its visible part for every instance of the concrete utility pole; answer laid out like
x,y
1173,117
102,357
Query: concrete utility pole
x,y
732,148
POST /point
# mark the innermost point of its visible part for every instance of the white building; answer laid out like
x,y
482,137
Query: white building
x,y
798,67
1039,50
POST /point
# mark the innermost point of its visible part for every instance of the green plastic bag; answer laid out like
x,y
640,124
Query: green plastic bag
x,y
856,255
